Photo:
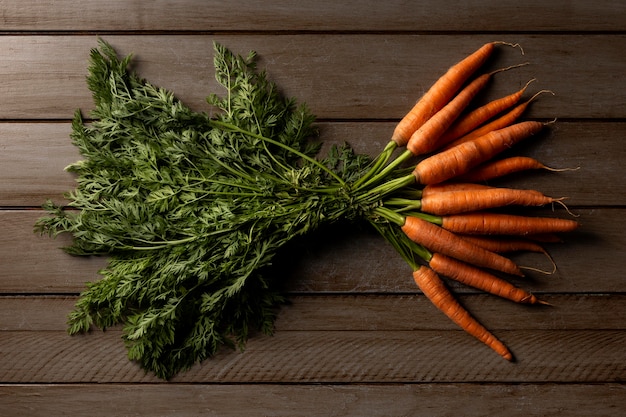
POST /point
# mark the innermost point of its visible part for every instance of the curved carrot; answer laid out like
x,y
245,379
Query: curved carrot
x,y
506,166
485,223
436,291
439,240
440,93
462,201
479,279
461,158
477,117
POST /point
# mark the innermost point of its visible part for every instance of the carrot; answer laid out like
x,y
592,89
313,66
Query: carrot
x,y
501,122
436,291
479,279
461,201
507,244
508,224
440,93
506,166
428,136
439,240
460,159
444,187
475,118
504,244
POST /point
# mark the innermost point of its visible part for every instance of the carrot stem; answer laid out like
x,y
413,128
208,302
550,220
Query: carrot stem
x,y
390,167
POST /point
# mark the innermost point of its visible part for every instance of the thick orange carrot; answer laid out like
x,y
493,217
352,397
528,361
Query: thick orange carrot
x,y
440,93
503,121
502,167
439,240
444,187
461,158
434,288
485,223
479,279
463,201
470,121
427,137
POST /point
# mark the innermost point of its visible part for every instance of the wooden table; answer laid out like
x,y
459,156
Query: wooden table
x,y
358,338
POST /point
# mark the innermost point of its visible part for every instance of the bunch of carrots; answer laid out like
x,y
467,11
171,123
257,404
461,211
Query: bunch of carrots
x,y
192,207
438,213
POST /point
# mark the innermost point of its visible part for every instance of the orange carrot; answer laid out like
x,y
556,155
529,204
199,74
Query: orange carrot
x,y
439,240
436,291
501,122
507,244
508,224
428,136
462,201
502,167
460,159
440,93
444,187
479,279
475,118
504,244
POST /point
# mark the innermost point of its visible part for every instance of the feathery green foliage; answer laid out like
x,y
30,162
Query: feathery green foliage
x,y
190,209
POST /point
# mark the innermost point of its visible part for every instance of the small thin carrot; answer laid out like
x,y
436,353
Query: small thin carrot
x,y
440,240
480,279
501,244
436,291
486,223
440,93
506,166
470,121
462,201
506,244
503,121
461,158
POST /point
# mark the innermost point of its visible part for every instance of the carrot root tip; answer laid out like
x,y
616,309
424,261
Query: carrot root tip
x,y
512,45
529,268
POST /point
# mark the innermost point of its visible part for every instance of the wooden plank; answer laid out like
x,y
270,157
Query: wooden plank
x,y
34,155
323,15
353,400
372,312
27,266
32,161
337,260
339,76
426,356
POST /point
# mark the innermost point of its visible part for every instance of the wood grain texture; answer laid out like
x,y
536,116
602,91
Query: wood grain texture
x,y
278,400
384,356
339,76
322,15
372,312
358,339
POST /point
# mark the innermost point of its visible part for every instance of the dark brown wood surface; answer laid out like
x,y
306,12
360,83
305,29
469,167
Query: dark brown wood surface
x,y
357,339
